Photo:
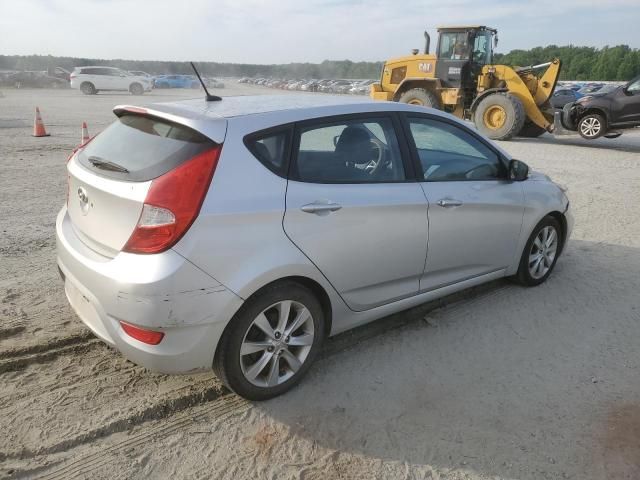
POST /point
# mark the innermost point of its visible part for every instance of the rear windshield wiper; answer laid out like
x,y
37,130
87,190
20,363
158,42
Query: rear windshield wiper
x,y
106,164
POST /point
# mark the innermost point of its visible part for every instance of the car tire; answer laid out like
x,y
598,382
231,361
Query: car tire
x,y
499,116
531,130
258,365
592,126
420,96
539,256
136,89
88,88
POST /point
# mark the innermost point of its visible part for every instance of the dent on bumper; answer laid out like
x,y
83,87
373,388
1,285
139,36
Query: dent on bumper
x,y
162,292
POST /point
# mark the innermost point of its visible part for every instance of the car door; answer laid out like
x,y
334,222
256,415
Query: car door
x,y
629,103
104,79
475,212
353,210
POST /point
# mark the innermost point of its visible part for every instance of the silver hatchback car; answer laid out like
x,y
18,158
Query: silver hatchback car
x,y
238,234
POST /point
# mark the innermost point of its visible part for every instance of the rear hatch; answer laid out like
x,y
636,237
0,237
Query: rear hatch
x,y
144,176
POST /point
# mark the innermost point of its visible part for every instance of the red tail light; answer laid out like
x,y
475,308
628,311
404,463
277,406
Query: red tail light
x,y
173,203
149,337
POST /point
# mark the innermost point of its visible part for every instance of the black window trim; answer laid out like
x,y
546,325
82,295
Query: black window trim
x,y
417,164
405,153
250,140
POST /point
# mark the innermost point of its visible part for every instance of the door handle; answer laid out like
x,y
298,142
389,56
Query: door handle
x,y
320,208
449,202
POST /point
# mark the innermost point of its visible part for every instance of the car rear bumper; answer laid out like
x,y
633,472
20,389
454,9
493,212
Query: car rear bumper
x,y
162,292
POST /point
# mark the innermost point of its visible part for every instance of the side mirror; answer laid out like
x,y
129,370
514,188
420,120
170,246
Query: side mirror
x,y
518,171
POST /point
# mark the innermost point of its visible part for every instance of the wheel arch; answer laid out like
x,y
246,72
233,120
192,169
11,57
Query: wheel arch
x,y
563,226
318,290
594,111
428,84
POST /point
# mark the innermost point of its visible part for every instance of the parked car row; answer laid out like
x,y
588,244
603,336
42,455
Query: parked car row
x,y
342,86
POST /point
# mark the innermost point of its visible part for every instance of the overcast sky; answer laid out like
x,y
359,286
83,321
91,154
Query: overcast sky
x,y
283,31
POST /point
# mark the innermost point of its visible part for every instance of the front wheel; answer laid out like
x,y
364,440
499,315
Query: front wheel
x,y
540,253
271,342
500,116
592,126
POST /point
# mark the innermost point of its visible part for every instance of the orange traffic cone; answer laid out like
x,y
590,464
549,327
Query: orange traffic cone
x,y
38,126
85,133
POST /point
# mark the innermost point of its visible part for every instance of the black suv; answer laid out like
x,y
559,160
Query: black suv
x,y
603,114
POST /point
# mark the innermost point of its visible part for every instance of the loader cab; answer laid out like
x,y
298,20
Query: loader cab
x,y
462,52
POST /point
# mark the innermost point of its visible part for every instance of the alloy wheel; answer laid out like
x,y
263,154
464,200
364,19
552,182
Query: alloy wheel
x,y
590,127
277,343
543,252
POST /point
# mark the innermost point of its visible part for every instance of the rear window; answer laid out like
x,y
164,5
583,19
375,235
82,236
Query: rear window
x,y
145,147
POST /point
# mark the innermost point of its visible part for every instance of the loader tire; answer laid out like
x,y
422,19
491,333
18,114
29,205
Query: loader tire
x,y
422,97
531,130
500,116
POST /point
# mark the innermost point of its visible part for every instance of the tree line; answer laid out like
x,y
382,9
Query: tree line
x,y
578,63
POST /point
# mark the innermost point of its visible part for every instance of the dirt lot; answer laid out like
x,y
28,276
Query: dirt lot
x,y
500,382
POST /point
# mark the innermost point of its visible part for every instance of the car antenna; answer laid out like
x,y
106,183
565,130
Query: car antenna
x,y
209,97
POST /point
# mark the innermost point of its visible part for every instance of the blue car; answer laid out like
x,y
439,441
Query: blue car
x,y
176,81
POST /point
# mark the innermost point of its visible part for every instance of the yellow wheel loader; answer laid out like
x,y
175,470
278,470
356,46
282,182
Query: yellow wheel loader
x,y
461,79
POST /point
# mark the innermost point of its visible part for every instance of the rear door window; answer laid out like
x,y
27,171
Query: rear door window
x,y
363,150
139,148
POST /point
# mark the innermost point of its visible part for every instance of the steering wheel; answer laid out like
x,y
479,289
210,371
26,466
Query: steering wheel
x,y
376,163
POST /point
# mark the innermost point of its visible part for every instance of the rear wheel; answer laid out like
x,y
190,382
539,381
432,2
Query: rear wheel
x,y
136,89
592,126
531,130
500,116
271,342
540,253
420,96
88,88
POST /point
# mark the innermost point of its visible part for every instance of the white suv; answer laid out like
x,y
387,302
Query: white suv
x,y
90,80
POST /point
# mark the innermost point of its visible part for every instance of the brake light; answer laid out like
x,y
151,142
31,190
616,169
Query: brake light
x,y
150,337
172,204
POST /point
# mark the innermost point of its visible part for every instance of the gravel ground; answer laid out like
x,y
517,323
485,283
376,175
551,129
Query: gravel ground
x,y
499,382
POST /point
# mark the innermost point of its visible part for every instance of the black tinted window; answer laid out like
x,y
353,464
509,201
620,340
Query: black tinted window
x,y
354,151
271,149
449,153
146,147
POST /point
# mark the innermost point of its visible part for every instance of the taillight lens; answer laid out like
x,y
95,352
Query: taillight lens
x,y
150,337
173,203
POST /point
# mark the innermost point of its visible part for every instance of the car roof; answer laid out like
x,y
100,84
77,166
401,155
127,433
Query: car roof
x,y
306,105
211,118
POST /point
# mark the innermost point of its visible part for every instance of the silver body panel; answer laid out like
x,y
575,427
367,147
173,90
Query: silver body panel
x,y
390,247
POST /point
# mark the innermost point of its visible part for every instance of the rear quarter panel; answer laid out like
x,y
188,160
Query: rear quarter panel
x,y
238,237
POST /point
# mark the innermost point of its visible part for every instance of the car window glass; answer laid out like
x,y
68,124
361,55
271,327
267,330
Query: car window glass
x,y
634,87
449,153
271,149
354,151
